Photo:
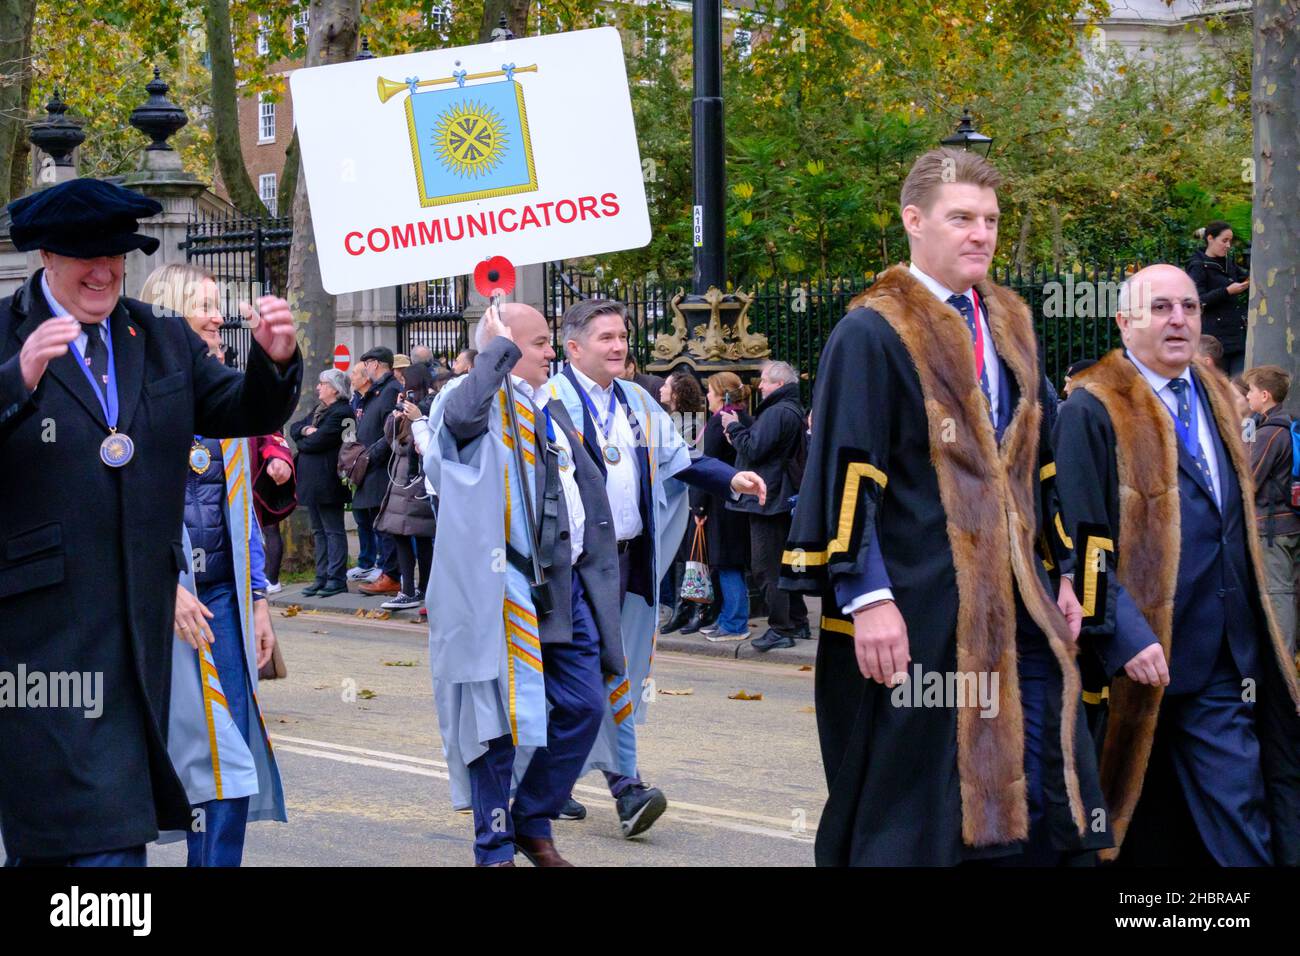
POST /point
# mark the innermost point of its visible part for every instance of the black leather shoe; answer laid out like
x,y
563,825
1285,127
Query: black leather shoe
x,y
572,810
329,590
313,590
681,615
805,632
696,621
771,639
638,808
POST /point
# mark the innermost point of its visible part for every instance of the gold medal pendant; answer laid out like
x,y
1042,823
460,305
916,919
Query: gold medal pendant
x,y
200,459
116,450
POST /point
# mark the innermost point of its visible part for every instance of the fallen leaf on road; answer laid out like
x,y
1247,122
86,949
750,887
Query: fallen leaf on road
x,y
399,663
677,693
744,695
366,694
291,611
379,615
361,612
319,630
807,710
806,667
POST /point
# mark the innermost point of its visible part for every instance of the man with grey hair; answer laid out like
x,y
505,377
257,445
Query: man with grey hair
x,y
1202,737
646,467
774,446
422,355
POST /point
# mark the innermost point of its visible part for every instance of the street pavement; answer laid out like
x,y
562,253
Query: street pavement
x,y
352,601
357,740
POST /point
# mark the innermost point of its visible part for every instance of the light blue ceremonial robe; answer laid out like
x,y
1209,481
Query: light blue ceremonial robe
x,y
485,652
667,454
209,752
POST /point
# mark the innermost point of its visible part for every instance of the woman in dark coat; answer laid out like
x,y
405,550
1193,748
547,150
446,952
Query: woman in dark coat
x,y
726,532
407,510
1222,285
682,397
319,437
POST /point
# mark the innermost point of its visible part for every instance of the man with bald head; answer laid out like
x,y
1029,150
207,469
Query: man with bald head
x,y
1200,761
535,710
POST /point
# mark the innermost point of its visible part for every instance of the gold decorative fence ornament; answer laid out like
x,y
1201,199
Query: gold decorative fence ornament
x,y
723,337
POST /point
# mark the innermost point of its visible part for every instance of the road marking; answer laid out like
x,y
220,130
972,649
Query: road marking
x,y
737,820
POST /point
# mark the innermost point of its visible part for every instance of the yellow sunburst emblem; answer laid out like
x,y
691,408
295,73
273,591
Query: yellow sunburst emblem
x,y
470,138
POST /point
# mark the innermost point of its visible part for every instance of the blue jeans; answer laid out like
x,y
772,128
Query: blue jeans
x,y
576,695
220,842
366,539
734,618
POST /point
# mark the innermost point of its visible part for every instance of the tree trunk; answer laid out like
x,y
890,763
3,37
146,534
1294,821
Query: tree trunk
x,y
1274,319
16,17
289,175
225,112
516,12
1022,245
333,39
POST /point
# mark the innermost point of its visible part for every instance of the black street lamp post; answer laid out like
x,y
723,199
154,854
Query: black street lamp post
x,y
708,149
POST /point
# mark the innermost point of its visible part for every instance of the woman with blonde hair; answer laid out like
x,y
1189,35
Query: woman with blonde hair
x,y
216,737
726,532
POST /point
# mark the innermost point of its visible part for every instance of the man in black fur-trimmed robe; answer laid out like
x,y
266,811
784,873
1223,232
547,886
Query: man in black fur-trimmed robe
x,y
918,517
1200,758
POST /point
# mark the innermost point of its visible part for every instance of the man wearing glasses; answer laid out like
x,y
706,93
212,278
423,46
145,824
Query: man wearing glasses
x,y
1200,761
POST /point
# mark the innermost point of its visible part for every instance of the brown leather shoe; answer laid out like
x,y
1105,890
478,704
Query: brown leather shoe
x,y
540,851
385,585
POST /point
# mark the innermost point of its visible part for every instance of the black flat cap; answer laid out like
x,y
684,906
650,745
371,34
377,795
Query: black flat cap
x,y
84,219
380,354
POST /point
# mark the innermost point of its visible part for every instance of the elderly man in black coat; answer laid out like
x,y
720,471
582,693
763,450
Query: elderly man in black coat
x,y
376,405
100,399
774,447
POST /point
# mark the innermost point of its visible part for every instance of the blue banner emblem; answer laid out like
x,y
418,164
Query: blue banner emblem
x,y
470,142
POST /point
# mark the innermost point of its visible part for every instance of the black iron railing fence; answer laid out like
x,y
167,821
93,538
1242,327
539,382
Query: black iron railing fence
x,y
1073,309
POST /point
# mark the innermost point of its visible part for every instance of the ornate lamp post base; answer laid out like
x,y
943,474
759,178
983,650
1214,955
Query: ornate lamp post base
x,y
710,333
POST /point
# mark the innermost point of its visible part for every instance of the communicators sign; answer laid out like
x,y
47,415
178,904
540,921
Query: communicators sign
x,y
420,166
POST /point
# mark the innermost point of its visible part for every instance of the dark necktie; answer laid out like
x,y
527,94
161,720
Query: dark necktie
x,y
1193,443
96,351
963,305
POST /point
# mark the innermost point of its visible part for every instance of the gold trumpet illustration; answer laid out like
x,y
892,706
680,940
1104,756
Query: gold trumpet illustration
x,y
390,88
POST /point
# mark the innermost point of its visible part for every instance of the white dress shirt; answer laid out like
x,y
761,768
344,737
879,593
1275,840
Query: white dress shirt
x,y
1166,394
58,310
568,475
623,479
943,293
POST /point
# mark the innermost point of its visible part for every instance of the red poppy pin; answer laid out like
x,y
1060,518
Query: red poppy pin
x,y
494,276
131,329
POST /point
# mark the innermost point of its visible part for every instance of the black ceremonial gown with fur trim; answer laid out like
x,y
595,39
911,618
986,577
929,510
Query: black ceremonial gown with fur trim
x,y
904,458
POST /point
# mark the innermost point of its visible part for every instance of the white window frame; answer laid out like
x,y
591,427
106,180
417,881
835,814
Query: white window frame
x,y
269,196
302,23
263,35
265,111
743,41
438,18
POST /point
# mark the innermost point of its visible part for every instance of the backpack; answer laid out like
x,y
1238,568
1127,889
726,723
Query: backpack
x,y
1295,465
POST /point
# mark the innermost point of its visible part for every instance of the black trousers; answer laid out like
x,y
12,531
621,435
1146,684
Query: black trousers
x,y
412,551
330,541
786,612
274,550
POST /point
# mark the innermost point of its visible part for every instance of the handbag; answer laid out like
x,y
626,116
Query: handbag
x,y
353,463
274,669
697,583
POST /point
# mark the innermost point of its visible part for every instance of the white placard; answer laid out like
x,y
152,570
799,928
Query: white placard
x,y
420,166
